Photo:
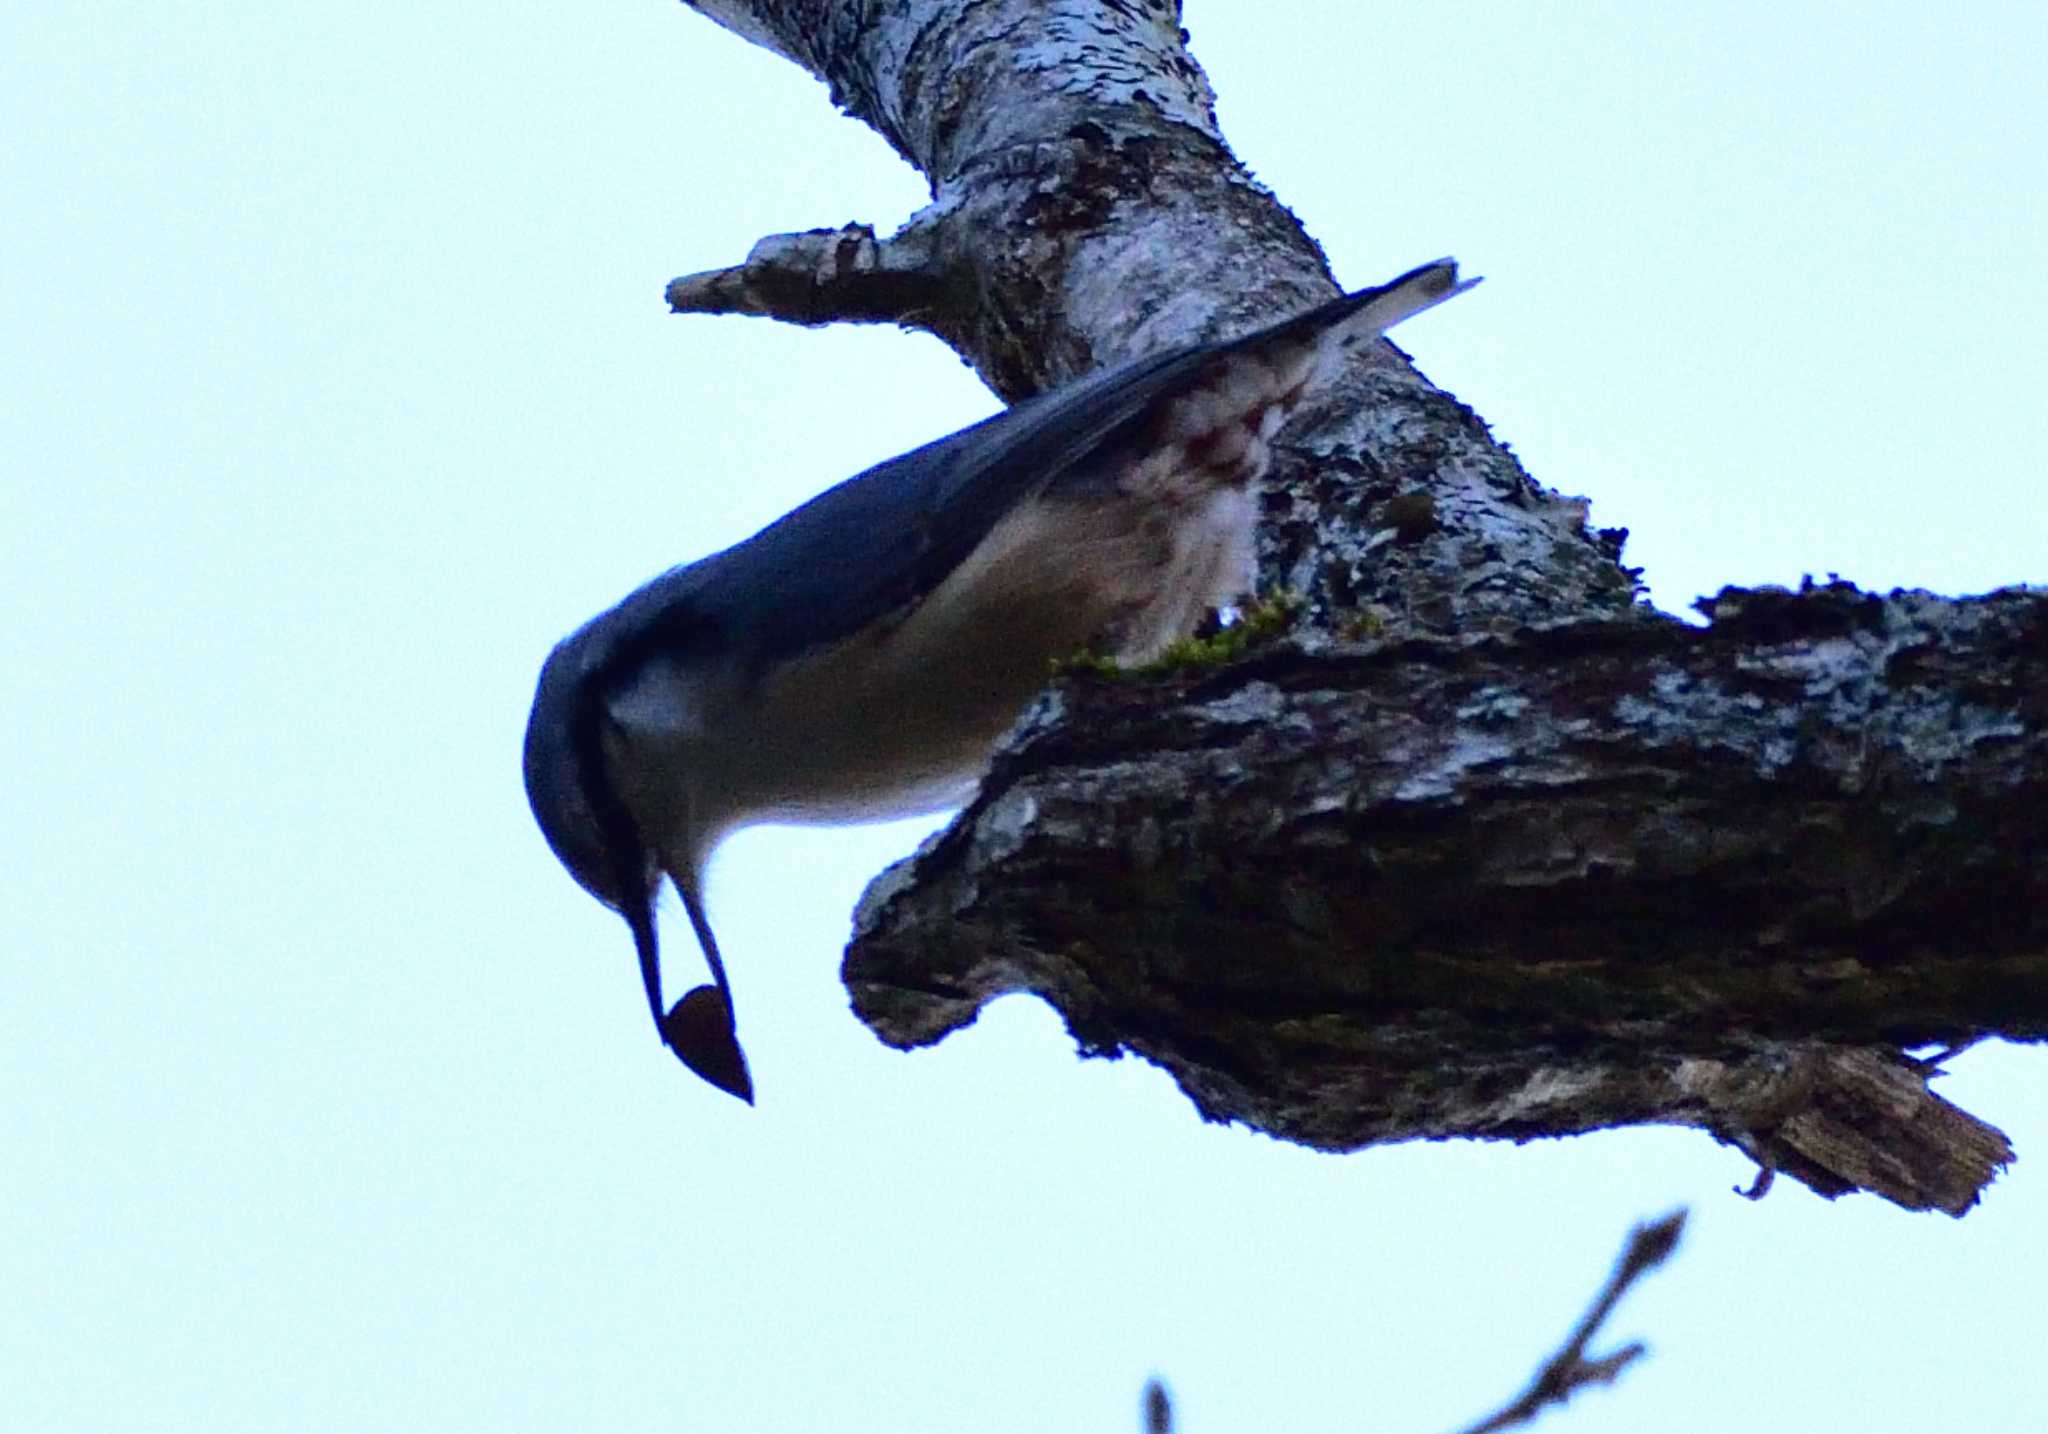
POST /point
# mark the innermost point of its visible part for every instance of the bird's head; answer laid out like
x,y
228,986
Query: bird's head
x,y
593,834
560,774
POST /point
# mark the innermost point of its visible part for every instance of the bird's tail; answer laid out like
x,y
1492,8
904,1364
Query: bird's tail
x,y
1373,311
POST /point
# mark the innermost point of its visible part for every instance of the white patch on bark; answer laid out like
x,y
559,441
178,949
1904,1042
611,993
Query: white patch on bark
x,y
1259,702
1110,56
1443,775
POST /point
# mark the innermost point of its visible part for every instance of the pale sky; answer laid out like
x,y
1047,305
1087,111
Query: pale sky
x,y
340,386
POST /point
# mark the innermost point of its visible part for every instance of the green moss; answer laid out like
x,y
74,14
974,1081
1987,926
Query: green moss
x,y
1256,626
1370,622
1088,664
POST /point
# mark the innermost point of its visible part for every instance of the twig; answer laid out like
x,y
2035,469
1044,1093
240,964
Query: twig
x,y
1158,1409
1569,1370
825,276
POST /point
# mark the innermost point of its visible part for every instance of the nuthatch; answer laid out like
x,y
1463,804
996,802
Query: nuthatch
x,y
857,659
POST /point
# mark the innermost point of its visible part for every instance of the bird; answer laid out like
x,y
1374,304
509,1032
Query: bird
x,y
858,658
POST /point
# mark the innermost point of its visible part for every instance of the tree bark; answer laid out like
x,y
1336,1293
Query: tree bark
x,y
1483,846
1588,874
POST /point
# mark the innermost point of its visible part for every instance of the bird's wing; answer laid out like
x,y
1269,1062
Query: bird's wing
x,y
878,542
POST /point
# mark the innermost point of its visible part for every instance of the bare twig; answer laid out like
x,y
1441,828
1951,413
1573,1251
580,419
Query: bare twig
x,y
1158,1409
1564,1373
1569,1370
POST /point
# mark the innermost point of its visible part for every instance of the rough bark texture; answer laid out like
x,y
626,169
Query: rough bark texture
x,y
1583,875
1484,847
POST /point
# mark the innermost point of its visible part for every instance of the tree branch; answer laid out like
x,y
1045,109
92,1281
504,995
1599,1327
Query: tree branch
x,y
825,276
1588,874
1568,1370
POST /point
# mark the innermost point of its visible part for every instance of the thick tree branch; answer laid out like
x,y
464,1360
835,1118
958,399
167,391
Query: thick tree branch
x,y
1586,874
1084,208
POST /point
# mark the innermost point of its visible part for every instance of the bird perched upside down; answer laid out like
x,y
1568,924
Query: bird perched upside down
x,y
857,659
